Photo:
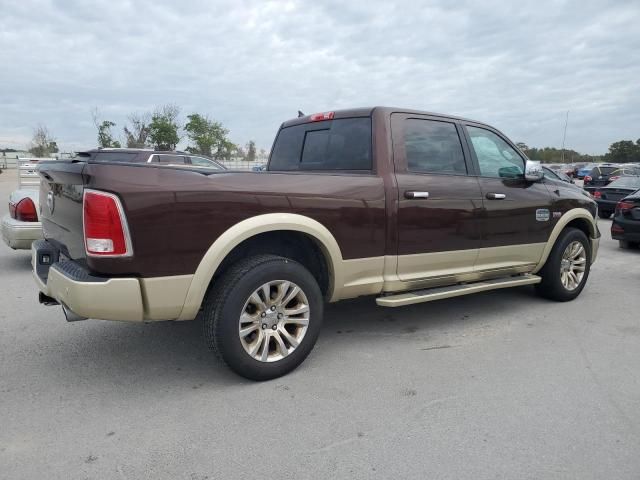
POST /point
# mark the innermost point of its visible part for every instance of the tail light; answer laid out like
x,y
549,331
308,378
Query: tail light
x,y
597,194
623,206
318,117
105,227
24,210
611,179
587,179
615,228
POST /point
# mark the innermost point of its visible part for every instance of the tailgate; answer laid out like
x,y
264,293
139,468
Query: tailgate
x,y
61,188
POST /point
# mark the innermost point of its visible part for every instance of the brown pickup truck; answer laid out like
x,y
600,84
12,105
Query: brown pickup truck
x,y
403,205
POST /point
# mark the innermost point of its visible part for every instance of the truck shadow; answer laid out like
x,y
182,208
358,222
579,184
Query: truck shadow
x,y
173,354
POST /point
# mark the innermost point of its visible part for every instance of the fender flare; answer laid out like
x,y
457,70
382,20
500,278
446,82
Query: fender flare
x,y
248,228
568,217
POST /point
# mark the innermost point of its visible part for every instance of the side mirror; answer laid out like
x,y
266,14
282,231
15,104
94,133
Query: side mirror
x,y
533,171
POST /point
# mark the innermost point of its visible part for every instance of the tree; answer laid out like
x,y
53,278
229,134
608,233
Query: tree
x,y
251,151
522,146
163,129
137,133
623,151
209,137
42,144
105,137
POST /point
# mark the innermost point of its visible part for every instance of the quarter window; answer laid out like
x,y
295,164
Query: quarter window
x,y
169,159
433,147
496,157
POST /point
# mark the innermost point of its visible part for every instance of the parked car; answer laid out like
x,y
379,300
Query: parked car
x,y
403,205
21,226
145,155
625,226
585,170
602,176
557,175
609,196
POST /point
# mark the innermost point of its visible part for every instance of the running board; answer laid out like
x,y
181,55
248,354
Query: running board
x,y
431,294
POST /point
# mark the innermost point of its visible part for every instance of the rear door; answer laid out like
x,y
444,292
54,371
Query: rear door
x,y
516,216
439,198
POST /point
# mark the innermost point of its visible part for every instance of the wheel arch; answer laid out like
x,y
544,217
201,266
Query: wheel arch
x,y
579,218
252,228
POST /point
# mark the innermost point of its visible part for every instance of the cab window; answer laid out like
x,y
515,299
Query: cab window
x,y
433,147
496,158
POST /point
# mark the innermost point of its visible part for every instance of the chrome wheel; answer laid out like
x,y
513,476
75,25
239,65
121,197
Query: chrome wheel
x,y
572,265
274,321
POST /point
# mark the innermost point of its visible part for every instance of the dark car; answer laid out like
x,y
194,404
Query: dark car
x,y
626,221
609,196
144,155
603,175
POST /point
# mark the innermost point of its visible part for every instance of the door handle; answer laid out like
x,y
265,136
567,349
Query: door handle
x,y
413,195
496,196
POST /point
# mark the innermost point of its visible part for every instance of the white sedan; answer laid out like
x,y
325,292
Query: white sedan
x,y
21,226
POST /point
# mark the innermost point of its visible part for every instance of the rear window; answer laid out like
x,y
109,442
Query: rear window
x,y
626,182
342,144
604,170
115,157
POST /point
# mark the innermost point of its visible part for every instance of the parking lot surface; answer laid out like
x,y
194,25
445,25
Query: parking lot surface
x,y
496,385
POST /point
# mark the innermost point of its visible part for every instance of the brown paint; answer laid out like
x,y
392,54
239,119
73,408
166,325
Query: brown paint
x,y
174,214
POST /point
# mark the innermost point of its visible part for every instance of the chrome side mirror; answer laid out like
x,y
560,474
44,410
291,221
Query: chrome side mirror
x,y
533,171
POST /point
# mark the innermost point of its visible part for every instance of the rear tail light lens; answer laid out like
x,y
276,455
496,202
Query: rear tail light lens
x,y
597,194
24,210
616,228
622,206
105,226
587,179
318,117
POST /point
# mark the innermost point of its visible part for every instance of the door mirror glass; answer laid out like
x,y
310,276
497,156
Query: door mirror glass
x,y
533,171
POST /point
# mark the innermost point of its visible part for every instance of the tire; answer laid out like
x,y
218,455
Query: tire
x,y
552,286
604,213
231,296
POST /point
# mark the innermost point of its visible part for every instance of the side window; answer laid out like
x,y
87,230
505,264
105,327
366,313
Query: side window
x,y
169,159
342,144
495,156
433,147
204,162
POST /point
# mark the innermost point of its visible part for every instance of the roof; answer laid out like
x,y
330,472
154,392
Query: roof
x,y
368,111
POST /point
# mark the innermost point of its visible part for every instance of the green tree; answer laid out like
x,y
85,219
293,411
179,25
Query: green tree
x,y
163,129
251,151
623,151
105,137
208,136
137,132
42,144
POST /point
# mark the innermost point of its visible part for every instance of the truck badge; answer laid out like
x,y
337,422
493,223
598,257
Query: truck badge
x,y
543,215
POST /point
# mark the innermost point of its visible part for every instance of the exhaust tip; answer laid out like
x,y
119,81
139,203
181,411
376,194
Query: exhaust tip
x,y
70,315
47,300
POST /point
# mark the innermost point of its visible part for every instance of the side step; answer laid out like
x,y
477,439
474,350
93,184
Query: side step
x,y
431,294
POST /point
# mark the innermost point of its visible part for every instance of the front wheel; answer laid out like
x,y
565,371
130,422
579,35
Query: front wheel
x,y
565,273
263,316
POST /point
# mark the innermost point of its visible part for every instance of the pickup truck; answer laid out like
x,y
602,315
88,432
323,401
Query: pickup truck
x,y
403,205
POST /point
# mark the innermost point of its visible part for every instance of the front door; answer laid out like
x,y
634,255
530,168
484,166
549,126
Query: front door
x,y
439,202
517,217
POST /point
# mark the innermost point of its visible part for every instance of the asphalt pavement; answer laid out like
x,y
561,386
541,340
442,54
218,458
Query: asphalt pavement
x,y
495,385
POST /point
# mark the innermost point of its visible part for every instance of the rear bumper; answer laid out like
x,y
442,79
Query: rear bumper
x,y
606,205
130,299
631,229
18,234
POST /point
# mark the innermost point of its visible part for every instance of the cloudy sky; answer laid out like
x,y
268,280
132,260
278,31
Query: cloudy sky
x,y
252,64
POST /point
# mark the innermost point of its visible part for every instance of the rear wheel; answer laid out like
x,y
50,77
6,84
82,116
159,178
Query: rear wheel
x,y
263,316
565,273
604,213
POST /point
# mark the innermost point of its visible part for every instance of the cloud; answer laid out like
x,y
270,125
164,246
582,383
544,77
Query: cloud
x,y
252,64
